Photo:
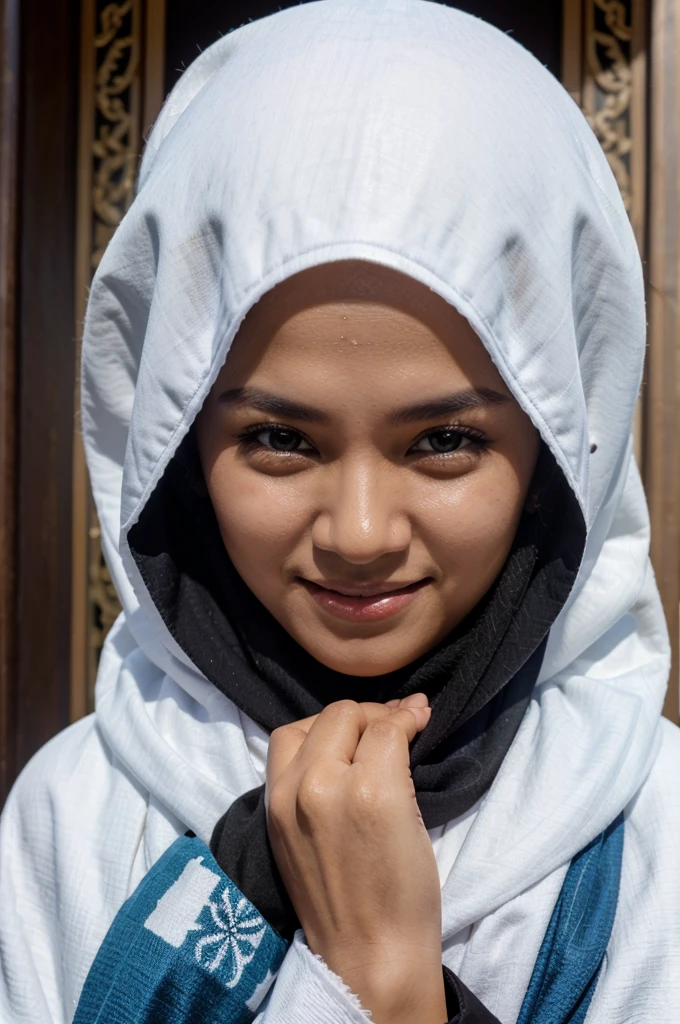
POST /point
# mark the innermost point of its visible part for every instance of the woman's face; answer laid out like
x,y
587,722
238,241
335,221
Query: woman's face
x,y
367,465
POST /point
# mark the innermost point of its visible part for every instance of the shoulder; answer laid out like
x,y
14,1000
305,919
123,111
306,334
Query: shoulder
x,y
60,785
71,805
650,879
68,802
645,942
60,757
670,745
68,836
659,797
652,833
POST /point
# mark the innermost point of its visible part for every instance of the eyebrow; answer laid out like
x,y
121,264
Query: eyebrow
x,y
256,398
447,405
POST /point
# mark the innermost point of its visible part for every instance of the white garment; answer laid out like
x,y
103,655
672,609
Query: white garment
x,y
410,134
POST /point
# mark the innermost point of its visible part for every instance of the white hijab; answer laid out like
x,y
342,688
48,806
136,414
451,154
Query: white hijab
x,y
421,138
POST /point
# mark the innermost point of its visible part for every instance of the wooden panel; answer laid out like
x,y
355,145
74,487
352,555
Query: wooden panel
x,y
613,97
80,611
122,46
46,369
112,95
572,48
625,78
154,63
662,419
9,100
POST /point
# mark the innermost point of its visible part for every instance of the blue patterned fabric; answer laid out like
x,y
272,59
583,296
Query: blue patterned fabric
x,y
186,946
575,943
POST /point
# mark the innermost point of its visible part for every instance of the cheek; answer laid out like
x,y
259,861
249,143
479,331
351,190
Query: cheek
x,y
261,518
470,526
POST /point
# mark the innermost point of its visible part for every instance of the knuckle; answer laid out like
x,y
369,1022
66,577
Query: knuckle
x,y
369,800
343,710
278,802
284,743
313,795
276,738
285,732
386,730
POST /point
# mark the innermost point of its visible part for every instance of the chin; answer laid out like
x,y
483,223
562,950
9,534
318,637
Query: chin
x,y
352,658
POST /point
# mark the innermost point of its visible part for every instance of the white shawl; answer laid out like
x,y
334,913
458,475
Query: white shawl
x,y
410,134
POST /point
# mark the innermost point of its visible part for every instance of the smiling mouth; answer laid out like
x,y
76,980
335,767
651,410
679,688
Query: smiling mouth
x,y
372,602
365,589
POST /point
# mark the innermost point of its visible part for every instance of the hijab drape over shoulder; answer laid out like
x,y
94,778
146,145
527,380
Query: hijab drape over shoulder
x,y
409,134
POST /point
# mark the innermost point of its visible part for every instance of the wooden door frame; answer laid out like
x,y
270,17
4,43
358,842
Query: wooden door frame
x,y
9,132
662,273
37,173
121,92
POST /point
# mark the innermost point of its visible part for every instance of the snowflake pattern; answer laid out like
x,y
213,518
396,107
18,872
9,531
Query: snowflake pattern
x,y
239,932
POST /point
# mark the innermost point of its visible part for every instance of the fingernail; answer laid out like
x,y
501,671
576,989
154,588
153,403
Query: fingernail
x,y
415,700
423,717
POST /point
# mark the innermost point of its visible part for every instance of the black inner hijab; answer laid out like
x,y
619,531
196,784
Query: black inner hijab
x,y
478,678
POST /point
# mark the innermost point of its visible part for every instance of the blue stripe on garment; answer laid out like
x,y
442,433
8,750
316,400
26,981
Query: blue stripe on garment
x,y
573,949
186,946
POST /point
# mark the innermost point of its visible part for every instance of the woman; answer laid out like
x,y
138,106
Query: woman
x,y
359,373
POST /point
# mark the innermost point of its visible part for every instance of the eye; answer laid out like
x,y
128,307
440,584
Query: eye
x,y
275,439
446,440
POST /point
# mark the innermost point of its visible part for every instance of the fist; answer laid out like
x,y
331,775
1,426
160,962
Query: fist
x,y
354,854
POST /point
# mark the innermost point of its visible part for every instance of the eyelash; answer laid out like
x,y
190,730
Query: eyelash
x,y
248,439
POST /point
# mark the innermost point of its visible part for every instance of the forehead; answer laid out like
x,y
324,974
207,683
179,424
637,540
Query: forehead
x,y
355,282
351,314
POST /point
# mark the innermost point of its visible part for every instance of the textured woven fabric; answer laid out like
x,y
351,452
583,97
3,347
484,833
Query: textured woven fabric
x,y
410,134
186,946
571,955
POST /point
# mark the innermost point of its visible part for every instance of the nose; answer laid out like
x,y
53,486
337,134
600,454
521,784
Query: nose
x,y
363,517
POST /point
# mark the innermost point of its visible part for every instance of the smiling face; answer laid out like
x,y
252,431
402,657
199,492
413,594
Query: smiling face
x,y
366,462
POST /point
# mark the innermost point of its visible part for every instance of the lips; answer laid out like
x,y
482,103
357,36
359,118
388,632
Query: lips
x,y
369,604
366,589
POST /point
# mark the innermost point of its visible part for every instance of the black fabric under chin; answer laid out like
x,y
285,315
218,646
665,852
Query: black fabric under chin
x,y
240,845
479,678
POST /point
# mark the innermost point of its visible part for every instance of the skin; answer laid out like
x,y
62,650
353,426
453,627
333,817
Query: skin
x,y
342,493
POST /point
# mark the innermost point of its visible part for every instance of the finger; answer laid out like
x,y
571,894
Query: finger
x,y
347,724
384,743
336,732
414,700
284,744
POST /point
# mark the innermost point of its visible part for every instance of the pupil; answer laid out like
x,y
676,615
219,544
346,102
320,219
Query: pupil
x,y
445,441
284,440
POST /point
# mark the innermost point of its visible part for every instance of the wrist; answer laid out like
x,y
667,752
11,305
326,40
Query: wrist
x,y
396,989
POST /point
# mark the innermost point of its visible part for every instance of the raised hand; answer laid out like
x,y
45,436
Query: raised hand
x,y
355,856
